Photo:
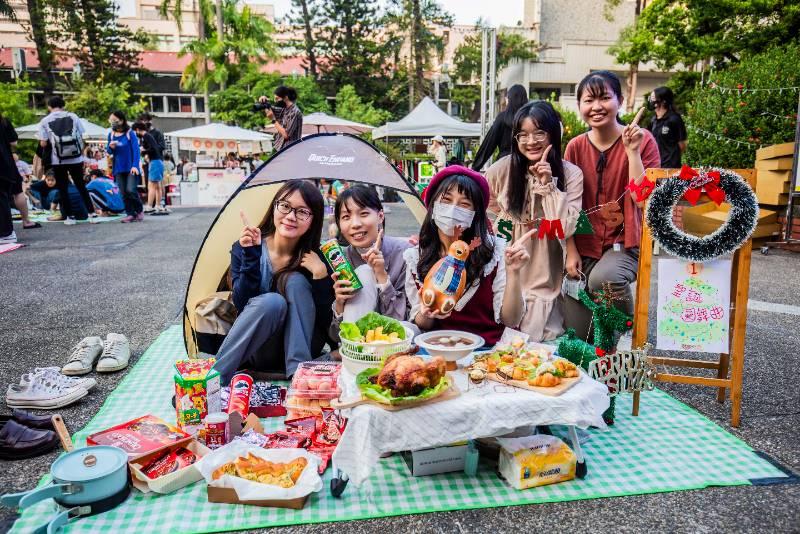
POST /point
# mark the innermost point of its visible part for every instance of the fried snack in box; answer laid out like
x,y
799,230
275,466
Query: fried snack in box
x,y
197,392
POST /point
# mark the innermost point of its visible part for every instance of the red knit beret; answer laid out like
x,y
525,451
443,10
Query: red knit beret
x,y
464,171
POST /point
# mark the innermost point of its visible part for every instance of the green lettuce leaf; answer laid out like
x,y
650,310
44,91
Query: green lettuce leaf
x,y
374,320
384,396
350,332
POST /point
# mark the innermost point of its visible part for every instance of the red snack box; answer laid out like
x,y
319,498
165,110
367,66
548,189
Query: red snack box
x,y
316,380
140,436
169,462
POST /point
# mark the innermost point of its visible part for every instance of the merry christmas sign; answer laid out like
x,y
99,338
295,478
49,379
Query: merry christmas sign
x,y
694,305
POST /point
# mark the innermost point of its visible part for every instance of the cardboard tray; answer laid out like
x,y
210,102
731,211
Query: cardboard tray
x,y
555,391
228,496
171,481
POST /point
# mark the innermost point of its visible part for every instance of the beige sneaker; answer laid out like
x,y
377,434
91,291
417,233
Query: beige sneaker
x,y
116,353
83,356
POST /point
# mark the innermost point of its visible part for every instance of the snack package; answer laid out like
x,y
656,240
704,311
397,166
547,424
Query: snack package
x,y
253,438
241,388
169,462
288,440
139,436
331,429
310,424
197,392
537,460
266,400
324,454
337,259
316,380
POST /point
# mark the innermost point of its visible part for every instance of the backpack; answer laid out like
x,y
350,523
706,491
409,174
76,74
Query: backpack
x,y
64,139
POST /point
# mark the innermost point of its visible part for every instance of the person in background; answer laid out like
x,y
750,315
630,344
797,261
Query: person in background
x,y
438,150
667,127
499,135
180,167
24,169
63,132
44,193
124,147
20,193
286,117
151,150
105,194
610,155
9,176
459,152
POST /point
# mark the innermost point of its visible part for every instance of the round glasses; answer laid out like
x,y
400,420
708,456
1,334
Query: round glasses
x,y
302,214
524,138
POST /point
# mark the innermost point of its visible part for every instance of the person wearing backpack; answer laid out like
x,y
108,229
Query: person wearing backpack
x,y
123,145
63,131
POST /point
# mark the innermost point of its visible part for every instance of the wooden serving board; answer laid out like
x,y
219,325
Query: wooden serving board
x,y
447,394
554,391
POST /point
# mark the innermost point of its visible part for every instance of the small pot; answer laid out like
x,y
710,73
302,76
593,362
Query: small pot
x,y
86,481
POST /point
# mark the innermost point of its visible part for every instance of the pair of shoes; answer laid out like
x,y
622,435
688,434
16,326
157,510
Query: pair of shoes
x,y
55,218
31,227
70,221
39,422
128,219
19,441
10,239
45,390
139,217
111,355
161,210
149,209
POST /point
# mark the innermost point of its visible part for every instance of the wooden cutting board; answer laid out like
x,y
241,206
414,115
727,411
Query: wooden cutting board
x,y
447,394
555,391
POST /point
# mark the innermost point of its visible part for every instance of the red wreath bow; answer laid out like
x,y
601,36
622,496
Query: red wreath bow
x,y
551,229
641,191
699,182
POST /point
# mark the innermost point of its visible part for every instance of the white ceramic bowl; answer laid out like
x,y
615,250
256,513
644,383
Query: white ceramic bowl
x,y
450,354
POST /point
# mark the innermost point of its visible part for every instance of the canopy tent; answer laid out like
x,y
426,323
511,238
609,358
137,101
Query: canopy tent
x,y
91,131
331,156
219,137
427,120
322,122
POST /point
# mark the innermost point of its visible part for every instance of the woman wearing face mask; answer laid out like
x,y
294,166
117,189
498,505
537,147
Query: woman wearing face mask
x,y
534,175
457,199
377,259
123,146
610,155
281,287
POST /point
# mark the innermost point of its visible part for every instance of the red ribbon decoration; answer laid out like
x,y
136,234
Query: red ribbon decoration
x,y
708,182
642,190
599,352
551,228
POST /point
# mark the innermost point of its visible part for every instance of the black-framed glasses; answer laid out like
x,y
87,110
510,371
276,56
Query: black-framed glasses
x,y
302,214
537,137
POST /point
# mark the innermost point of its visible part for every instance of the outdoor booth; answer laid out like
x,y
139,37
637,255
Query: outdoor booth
x,y
91,131
413,133
323,123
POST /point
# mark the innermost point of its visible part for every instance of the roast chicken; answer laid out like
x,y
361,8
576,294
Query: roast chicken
x,y
407,375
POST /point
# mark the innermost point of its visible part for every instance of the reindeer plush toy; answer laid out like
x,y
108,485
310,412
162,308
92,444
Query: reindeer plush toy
x,y
447,279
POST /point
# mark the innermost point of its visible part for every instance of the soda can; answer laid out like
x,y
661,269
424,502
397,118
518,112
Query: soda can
x,y
337,259
241,388
216,427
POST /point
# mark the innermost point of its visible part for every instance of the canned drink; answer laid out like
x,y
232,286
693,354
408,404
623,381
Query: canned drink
x,y
241,388
337,259
216,427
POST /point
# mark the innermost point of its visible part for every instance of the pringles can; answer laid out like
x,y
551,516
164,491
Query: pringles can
x,y
336,258
241,388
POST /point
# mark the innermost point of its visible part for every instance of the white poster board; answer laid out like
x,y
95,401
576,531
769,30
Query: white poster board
x,y
694,305
215,186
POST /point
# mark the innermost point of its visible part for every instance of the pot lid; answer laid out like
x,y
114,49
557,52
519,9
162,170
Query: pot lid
x,y
89,463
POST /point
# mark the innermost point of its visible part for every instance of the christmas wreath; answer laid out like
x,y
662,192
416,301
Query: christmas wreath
x,y
719,185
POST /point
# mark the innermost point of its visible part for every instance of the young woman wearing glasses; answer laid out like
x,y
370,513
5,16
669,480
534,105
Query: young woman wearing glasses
x,y
281,286
528,187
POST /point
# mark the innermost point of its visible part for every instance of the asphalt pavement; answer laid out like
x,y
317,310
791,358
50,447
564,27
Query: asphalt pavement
x,y
72,282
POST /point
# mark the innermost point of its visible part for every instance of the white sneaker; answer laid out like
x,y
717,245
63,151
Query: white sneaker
x,y
10,239
83,356
55,374
42,393
116,353
70,221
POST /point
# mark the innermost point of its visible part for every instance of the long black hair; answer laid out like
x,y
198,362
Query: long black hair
x,y
664,95
598,82
430,246
517,97
545,118
362,196
123,126
310,240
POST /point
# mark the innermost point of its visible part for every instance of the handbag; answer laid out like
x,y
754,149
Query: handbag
x,y
213,317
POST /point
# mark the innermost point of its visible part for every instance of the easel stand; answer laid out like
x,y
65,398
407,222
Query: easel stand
x,y
740,285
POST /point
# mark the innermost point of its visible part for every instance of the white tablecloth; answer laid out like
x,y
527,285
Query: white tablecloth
x,y
491,409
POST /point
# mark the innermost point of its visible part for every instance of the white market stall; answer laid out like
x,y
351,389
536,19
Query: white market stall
x,y
91,131
323,123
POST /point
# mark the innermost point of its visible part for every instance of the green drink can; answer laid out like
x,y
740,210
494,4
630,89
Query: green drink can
x,y
336,258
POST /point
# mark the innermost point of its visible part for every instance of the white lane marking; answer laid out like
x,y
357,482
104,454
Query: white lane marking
x,y
772,307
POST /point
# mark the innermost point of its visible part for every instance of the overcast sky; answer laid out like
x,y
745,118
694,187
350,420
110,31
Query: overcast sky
x,y
503,12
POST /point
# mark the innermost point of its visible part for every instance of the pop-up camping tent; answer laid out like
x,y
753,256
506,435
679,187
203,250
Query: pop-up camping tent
x,y
330,156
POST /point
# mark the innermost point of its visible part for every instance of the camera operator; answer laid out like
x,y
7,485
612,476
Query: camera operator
x,y
286,117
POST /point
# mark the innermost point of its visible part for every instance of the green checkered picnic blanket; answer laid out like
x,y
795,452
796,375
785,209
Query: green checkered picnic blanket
x,y
668,447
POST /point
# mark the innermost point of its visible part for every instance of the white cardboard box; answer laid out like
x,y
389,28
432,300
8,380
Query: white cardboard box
x,y
437,460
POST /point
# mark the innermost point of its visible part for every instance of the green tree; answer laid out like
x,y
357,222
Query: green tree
x,y
234,104
14,101
94,100
350,106
412,22
726,126
306,14
90,33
